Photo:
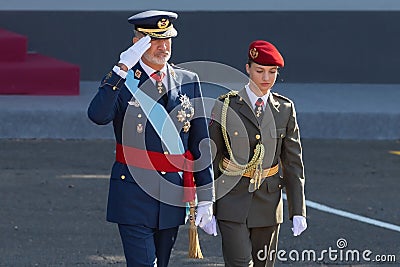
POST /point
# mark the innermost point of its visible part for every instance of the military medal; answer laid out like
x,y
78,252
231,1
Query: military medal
x,y
259,111
186,126
158,76
185,101
186,112
160,87
139,128
259,107
181,115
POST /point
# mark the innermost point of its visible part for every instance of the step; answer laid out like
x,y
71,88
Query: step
x,y
13,46
39,75
324,111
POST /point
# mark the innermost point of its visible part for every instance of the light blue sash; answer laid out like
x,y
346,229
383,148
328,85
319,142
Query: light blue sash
x,y
159,118
157,115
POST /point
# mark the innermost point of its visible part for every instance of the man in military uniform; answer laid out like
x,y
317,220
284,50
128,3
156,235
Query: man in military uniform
x,y
257,140
161,131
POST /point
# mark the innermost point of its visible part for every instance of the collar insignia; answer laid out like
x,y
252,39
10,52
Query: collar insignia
x,y
138,73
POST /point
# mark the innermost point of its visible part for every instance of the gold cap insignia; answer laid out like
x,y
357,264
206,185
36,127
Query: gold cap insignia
x,y
163,23
138,73
253,53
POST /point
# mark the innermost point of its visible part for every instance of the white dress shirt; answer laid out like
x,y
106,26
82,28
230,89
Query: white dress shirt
x,y
150,71
253,97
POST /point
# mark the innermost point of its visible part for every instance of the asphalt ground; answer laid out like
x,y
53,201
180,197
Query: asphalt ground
x,y
53,196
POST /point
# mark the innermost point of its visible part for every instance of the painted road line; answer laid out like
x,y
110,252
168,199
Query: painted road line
x,y
350,215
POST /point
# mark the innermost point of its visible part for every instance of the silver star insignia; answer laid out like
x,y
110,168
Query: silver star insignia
x,y
185,101
181,115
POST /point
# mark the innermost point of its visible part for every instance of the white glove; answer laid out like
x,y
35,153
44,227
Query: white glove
x,y
299,225
132,55
204,213
211,227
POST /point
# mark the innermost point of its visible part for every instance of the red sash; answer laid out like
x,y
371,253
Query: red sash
x,y
151,160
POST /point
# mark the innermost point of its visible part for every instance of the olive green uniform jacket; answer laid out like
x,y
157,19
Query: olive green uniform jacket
x,y
278,131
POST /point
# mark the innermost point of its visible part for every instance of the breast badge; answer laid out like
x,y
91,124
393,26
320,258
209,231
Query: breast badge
x,y
139,128
186,112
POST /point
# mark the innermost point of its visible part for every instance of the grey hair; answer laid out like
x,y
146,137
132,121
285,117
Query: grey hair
x,y
138,34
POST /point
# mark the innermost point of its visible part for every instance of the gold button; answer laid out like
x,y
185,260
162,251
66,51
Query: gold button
x,y
115,88
280,186
165,152
163,173
282,135
236,133
223,181
252,180
122,177
139,115
258,136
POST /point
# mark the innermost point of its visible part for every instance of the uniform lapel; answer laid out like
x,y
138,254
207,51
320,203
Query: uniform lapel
x,y
271,112
140,74
246,107
273,103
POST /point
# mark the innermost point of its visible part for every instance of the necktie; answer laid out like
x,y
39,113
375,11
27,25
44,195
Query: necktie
x,y
158,76
259,108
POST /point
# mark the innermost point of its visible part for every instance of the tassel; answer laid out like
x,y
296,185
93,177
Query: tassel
x,y
194,244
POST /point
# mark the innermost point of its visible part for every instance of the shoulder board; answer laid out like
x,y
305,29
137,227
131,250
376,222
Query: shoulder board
x,y
281,97
179,67
229,94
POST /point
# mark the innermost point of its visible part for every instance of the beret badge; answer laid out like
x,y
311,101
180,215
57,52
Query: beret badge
x,y
253,53
163,23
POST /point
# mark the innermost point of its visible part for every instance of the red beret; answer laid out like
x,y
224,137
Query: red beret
x,y
265,53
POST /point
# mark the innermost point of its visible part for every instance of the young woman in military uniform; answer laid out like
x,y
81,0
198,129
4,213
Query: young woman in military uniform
x,y
257,153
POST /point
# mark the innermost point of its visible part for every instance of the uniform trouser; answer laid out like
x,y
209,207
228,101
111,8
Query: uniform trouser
x,y
147,247
243,246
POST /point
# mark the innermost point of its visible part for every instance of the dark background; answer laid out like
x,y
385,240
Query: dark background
x,y
318,46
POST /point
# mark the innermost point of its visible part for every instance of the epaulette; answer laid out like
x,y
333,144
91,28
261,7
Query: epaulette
x,y
229,94
179,67
281,97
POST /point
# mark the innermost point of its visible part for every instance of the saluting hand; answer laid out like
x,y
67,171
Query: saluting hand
x,y
132,55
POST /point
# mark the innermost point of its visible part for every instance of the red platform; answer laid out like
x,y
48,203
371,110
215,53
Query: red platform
x,y
12,46
33,74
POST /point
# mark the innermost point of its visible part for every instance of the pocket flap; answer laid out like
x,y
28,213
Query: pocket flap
x,y
274,184
278,133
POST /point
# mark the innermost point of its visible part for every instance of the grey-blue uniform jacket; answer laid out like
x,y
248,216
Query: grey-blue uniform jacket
x,y
148,197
